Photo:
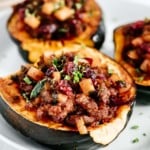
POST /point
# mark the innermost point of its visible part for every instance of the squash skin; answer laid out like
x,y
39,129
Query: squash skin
x,y
46,135
31,48
143,87
42,134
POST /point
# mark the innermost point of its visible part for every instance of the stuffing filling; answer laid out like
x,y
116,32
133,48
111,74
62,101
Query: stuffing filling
x,y
68,89
137,47
57,19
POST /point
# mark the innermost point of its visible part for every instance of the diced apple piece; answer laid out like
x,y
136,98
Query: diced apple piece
x,y
56,76
146,38
32,21
133,54
145,66
64,13
62,98
137,41
81,125
47,8
86,86
35,74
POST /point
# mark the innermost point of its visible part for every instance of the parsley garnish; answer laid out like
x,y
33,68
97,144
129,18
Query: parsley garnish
x,y
110,71
27,80
78,5
58,63
135,127
138,70
67,77
64,30
136,140
76,59
77,75
37,88
25,97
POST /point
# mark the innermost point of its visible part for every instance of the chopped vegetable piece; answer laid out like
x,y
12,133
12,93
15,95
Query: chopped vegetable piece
x,y
86,86
27,80
81,125
64,13
135,127
37,89
67,77
35,74
32,21
77,75
56,76
62,97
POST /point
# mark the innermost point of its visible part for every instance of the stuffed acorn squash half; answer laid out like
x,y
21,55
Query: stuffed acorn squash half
x,y
72,97
132,42
40,25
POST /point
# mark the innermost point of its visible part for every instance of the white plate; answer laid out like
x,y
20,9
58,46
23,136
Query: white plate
x,y
116,12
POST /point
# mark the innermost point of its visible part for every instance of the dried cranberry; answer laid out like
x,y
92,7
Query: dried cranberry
x,y
69,68
89,73
64,87
145,47
90,60
24,87
47,30
49,71
137,25
22,13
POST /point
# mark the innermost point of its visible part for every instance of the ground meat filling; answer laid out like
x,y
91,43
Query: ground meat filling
x,y
68,89
137,47
54,19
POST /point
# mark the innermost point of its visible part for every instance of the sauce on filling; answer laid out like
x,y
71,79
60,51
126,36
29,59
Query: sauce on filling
x,y
69,90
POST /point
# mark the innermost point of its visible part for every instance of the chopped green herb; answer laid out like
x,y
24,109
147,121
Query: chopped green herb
x,y
58,63
135,127
59,4
63,30
136,140
27,80
137,70
25,97
78,5
144,134
77,75
28,13
55,62
67,77
110,71
140,79
76,59
37,89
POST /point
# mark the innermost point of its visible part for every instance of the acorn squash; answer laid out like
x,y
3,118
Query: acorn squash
x,y
37,28
74,97
132,50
